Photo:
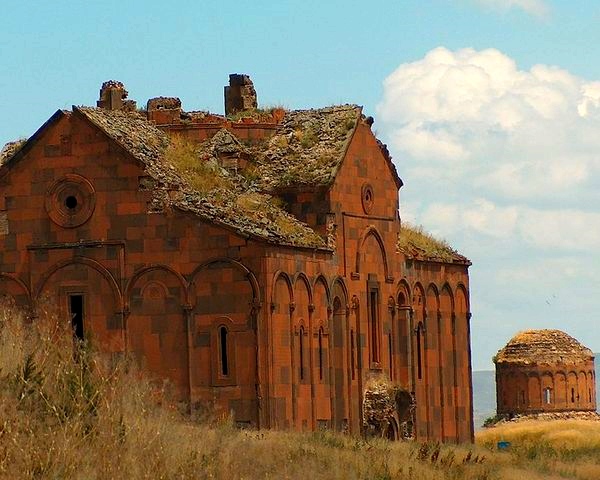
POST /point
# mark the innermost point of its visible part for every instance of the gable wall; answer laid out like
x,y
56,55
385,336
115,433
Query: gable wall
x,y
157,285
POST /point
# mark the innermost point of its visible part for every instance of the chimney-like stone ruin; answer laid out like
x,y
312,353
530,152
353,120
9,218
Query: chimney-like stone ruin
x,y
113,96
240,94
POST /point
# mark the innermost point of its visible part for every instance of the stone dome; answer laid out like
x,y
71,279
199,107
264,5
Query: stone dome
x,y
543,347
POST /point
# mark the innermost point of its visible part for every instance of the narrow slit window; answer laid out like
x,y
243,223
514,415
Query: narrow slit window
x,y
223,333
76,311
419,354
352,354
320,354
390,355
301,353
572,395
374,324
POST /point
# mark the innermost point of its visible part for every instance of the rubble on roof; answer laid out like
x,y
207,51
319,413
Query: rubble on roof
x,y
225,198
543,347
10,148
307,148
417,244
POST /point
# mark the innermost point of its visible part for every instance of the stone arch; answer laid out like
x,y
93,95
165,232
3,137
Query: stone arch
x,y
320,278
284,277
403,293
88,262
433,351
462,315
447,359
561,392
534,388
99,299
420,362
582,392
371,231
157,327
548,391
281,364
222,287
235,264
301,277
302,331
572,385
344,348
320,350
157,267
14,290
591,398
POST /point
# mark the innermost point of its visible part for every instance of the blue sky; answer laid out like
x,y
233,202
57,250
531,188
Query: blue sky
x,y
491,109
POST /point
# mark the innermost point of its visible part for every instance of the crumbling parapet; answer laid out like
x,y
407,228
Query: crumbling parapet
x,y
164,110
113,96
240,95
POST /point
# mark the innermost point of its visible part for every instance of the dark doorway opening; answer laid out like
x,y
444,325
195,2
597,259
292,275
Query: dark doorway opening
x,y
76,310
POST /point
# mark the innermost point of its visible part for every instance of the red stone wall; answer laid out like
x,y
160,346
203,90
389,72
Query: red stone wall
x,y
305,329
520,389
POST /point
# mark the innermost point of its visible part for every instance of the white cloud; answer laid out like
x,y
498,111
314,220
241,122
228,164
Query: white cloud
x,y
546,229
538,8
528,133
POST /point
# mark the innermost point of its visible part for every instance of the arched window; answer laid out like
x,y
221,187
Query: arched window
x,y
224,352
301,345
547,395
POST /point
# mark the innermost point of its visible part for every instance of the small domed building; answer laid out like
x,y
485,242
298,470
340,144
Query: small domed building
x,y
544,371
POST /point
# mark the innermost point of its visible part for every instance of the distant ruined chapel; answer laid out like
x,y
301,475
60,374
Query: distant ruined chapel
x,y
256,260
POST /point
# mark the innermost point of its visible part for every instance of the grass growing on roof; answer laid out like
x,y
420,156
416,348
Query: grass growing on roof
x,y
413,240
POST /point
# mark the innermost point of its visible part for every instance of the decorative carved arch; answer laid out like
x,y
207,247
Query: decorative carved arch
x,y
94,265
435,295
403,289
288,281
301,277
371,230
339,282
321,279
462,290
447,288
19,283
151,268
238,265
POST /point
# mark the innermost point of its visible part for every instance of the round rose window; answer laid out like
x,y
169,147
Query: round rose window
x,y
70,201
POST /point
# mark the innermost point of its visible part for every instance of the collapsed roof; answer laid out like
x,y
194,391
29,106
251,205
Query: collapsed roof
x,y
543,347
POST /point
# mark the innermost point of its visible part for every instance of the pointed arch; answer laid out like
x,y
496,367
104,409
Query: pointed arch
x,y
368,232
403,293
301,277
320,278
281,275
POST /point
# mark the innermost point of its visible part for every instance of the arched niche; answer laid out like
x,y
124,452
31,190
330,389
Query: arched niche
x,y
157,330
85,292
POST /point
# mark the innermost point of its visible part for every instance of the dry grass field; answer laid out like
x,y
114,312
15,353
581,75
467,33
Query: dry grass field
x,y
69,413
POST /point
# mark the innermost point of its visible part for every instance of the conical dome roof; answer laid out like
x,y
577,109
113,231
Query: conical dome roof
x,y
543,347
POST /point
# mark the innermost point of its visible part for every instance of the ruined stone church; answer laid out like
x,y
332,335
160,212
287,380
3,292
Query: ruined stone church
x,y
254,259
